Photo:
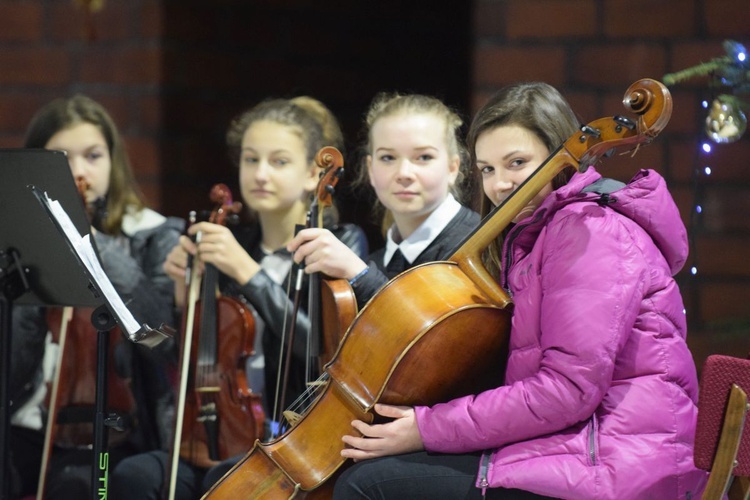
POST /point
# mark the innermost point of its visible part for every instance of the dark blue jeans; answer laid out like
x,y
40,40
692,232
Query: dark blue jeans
x,y
419,475
144,476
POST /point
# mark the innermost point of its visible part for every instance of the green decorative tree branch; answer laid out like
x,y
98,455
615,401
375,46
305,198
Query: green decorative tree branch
x,y
729,83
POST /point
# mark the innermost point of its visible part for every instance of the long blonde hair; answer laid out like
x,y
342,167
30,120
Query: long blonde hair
x,y
390,104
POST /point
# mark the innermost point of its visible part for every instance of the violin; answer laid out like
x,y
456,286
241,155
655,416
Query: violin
x,y
72,397
453,308
332,303
218,415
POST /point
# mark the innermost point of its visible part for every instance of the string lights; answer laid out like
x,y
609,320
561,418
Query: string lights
x,y
725,120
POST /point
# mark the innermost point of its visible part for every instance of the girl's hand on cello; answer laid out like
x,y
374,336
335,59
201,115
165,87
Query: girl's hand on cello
x,y
323,252
398,436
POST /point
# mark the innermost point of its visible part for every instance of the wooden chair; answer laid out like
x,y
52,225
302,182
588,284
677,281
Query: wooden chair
x,y
722,440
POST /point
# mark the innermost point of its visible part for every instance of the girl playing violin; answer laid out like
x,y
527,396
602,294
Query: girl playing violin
x,y
132,241
600,388
274,144
413,163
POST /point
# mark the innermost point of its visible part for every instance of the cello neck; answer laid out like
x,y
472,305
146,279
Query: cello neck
x,y
468,255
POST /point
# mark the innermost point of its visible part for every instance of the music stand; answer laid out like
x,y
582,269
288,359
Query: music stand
x,y
51,273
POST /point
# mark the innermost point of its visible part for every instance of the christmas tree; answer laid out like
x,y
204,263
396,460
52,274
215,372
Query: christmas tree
x,y
729,83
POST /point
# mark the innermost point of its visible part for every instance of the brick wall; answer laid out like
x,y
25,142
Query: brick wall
x,y
592,51
173,73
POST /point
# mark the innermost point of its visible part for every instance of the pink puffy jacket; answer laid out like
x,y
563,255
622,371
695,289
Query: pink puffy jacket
x,y
601,389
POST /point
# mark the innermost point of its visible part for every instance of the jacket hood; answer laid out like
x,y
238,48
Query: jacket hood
x,y
645,199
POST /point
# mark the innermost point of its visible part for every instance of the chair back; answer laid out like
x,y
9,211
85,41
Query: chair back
x,y
718,375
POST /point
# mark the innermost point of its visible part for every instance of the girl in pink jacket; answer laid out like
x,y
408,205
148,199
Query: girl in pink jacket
x,y
600,391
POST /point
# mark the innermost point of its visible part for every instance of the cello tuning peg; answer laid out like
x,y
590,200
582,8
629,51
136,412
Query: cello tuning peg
x,y
588,130
625,122
330,189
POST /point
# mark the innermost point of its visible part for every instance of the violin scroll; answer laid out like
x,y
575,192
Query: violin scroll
x,y
331,161
221,196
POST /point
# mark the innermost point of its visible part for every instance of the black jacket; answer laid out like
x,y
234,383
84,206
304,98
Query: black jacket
x,y
271,301
440,249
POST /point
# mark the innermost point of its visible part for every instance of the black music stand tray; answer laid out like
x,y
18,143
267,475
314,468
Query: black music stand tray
x,y
40,265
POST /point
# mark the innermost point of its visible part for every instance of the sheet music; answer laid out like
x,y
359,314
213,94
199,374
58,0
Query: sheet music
x,y
85,251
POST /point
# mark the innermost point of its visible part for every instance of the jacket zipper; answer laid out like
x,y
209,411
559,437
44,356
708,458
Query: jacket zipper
x,y
484,465
592,440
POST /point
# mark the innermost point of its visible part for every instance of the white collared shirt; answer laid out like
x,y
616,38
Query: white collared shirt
x,y
425,234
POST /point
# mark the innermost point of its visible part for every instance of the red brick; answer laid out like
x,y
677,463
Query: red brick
x,y
68,21
728,18
530,19
144,155
34,66
683,158
500,65
724,301
725,209
618,64
686,108
151,190
21,22
118,107
647,18
586,105
11,141
150,113
728,339
122,65
17,109
720,255
684,197
728,162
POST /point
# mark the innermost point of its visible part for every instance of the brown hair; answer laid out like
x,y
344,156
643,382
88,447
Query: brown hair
x,y
64,113
312,120
535,106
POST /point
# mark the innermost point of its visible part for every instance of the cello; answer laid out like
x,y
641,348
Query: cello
x,y
217,415
72,394
454,306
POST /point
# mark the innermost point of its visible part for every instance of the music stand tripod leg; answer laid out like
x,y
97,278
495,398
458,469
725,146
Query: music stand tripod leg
x,y
103,322
12,284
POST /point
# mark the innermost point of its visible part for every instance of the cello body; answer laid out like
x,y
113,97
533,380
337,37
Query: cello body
x,y
467,325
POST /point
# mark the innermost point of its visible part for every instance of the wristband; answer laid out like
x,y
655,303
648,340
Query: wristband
x,y
359,275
